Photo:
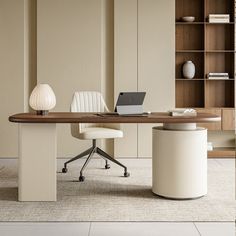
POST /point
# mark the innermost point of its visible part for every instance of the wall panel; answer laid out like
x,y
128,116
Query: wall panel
x,y
69,56
156,65
12,73
125,66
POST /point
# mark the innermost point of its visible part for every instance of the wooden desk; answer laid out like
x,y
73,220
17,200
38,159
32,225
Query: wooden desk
x,y
81,117
37,145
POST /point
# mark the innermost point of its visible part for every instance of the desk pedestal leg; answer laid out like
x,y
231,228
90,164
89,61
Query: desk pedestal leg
x,y
37,162
179,162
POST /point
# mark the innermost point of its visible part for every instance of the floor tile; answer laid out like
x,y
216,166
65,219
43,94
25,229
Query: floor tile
x,y
226,163
44,229
143,228
216,229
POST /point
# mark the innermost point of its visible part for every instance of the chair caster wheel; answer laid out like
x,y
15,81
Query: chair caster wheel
x,y
107,166
64,170
81,178
126,174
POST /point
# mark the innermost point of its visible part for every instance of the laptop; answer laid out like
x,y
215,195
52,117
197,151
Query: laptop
x,y
130,103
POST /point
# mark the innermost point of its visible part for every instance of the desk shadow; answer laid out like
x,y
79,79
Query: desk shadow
x,y
94,187
9,194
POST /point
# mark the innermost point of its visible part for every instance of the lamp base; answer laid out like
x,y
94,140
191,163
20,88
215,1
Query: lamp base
x,y
42,112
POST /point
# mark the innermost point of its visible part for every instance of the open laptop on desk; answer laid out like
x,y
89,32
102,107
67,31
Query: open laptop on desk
x,y
129,104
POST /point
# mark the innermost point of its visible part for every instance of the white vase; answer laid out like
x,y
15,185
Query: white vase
x,y
188,70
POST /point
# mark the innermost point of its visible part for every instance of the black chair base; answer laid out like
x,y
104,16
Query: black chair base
x,y
90,152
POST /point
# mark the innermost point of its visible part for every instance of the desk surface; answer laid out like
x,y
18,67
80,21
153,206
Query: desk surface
x,y
69,117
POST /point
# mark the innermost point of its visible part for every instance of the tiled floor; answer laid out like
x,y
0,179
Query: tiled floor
x,y
117,229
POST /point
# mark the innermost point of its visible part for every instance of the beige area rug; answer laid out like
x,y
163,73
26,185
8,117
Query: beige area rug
x,y
106,196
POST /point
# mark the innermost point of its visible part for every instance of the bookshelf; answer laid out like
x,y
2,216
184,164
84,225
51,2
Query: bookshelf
x,y
211,47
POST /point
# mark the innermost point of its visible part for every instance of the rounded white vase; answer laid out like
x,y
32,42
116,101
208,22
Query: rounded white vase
x,y
188,70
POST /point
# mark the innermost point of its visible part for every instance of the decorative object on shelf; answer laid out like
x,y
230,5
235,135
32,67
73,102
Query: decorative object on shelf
x,y
42,99
188,18
209,146
218,18
188,70
216,75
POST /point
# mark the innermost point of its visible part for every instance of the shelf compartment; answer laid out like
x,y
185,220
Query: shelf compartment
x,y
190,8
220,7
189,93
220,79
219,93
219,37
189,23
214,125
189,79
218,23
219,152
220,62
187,51
196,58
226,51
228,119
189,37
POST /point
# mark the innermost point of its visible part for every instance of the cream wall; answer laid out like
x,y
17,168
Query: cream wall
x,y
12,72
156,62
75,53
69,56
144,61
66,43
105,45
77,45
107,55
126,67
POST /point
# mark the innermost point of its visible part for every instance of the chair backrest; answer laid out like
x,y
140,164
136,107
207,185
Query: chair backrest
x,y
86,101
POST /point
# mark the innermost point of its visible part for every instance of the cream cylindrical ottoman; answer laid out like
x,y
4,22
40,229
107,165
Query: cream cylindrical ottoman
x,y
179,163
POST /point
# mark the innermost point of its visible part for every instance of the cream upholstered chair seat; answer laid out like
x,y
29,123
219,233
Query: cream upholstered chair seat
x,y
93,102
100,133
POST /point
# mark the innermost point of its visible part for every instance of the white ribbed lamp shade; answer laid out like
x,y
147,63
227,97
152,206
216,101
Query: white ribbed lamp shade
x,y
42,98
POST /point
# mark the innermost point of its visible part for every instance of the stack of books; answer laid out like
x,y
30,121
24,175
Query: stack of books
x,y
183,112
218,18
218,75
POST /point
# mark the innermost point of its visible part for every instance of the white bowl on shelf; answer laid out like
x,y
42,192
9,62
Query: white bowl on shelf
x,y
188,18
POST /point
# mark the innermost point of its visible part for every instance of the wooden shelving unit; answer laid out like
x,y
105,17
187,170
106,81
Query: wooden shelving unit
x,y
222,152
211,47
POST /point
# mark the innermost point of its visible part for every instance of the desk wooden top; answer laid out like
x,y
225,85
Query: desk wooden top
x,y
69,117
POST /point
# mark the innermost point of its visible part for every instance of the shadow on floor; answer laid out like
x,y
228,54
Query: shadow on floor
x,y
9,194
105,188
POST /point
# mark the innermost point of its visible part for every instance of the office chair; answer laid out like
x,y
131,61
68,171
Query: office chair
x,y
93,102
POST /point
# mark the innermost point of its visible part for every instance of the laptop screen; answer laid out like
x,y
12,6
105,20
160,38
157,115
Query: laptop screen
x,y
130,99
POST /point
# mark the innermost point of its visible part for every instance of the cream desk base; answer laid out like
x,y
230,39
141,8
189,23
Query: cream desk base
x,y
37,162
37,153
179,163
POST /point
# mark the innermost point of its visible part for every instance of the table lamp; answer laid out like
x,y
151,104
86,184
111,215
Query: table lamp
x,y
42,99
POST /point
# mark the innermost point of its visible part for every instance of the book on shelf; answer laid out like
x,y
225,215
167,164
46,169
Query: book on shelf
x,y
218,21
216,75
219,18
183,112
